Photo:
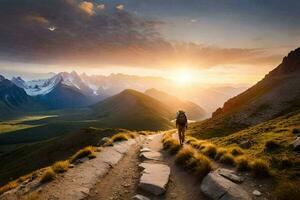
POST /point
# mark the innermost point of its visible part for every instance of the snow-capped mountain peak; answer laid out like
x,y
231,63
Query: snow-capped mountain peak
x,y
44,86
1,78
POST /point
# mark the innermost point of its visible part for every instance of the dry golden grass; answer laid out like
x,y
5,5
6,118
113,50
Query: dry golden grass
x,y
9,186
92,155
236,151
227,159
85,152
220,152
119,137
61,166
210,150
242,163
260,168
48,175
184,154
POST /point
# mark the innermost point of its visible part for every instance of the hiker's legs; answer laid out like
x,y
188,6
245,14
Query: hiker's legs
x,y
179,134
183,134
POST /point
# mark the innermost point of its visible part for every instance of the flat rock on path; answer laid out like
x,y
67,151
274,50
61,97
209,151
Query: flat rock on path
x,y
154,177
230,175
151,155
217,187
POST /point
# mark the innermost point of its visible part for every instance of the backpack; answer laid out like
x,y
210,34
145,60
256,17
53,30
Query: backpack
x,y
181,118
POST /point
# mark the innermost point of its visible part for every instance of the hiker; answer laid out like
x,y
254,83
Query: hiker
x,y
181,125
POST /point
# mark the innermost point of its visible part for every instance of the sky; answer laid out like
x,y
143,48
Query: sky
x,y
208,41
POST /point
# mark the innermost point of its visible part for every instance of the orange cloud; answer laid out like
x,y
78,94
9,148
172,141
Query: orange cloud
x,y
87,7
37,18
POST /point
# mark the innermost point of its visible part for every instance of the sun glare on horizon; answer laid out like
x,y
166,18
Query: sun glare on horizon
x,y
184,77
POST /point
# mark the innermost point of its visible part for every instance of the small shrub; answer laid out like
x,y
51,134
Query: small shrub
x,y
183,156
227,159
190,139
242,163
220,152
272,145
236,151
260,168
48,175
145,133
167,143
175,147
119,137
82,153
8,186
24,178
92,155
131,135
203,166
210,150
286,191
198,144
60,166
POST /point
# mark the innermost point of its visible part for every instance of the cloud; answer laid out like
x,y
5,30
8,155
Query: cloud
x,y
92,38
87,7
101,6
120,6
37,18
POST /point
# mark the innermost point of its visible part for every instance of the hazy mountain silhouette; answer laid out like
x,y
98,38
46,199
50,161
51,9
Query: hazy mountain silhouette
x,y
193,111
276,94
134,110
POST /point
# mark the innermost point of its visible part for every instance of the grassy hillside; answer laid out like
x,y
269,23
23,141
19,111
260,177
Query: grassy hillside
x,y
17,160
194,112
133,110
269,142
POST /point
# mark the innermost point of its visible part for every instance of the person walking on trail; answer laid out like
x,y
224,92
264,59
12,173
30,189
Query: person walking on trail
x,y
181,125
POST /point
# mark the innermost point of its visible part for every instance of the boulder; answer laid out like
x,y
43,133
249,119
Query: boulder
x,y
151,155
256,193
155,178
140,197
245,144
296,144
217,187
230,175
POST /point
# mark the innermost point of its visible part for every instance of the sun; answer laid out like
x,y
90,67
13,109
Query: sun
x,y
184,77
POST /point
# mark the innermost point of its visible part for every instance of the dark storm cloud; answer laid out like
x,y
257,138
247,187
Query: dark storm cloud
x,y
79,29
86,33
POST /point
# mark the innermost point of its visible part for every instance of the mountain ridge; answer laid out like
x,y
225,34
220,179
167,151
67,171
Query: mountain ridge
x,y
269,98
134,110
193,111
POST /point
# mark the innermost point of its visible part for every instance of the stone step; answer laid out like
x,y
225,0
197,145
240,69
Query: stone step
x,y
155,178
217,187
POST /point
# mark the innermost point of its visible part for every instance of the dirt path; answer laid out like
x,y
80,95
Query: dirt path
x,y
182,185
121,181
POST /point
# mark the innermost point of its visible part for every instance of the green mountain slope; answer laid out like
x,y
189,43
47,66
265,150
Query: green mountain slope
x,y
275,95
133,110
194,112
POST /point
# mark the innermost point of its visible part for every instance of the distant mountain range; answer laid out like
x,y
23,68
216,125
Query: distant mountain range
x,y
278,93
13,98
193,111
